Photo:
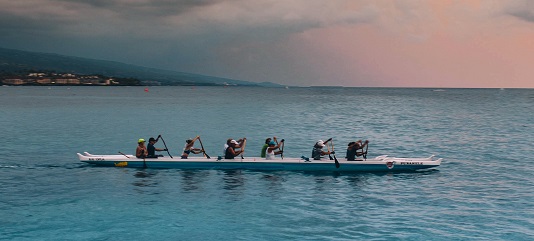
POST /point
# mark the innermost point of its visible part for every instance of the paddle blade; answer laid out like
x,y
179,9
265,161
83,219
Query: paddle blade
x,y
337,163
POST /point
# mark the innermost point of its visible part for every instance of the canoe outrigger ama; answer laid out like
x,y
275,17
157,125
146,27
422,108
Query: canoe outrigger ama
x,y
377,164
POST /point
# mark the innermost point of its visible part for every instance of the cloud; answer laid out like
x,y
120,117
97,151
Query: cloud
x,y
522,9
185,16
185,26
298,41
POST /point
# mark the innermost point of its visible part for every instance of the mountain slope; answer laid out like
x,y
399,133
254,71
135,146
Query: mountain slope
x,y
12,61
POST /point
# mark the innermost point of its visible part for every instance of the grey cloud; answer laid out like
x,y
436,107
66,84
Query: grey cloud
x,y
524,15
168,18
522,9
134,8
187,35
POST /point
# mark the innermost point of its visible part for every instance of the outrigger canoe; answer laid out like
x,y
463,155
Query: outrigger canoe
x,y
377,164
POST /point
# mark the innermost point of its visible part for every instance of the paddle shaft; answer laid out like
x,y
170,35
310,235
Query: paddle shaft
x,y
281,149
365,153
243,147
328,149
282,154
124,154
165,146
205,154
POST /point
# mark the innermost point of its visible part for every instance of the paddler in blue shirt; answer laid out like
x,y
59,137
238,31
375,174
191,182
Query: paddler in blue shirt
x,y
318,152
151,149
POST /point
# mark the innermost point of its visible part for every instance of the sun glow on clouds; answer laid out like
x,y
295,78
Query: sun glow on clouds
x,y
436,49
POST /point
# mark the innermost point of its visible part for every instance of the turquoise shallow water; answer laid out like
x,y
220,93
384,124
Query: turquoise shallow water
x,y
483,190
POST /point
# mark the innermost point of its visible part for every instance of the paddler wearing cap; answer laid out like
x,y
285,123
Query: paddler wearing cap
x,y
231,145
152,149
264,148
270,153
318,152
188,148
141,151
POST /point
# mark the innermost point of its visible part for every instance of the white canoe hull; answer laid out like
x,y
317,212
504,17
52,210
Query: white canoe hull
x,y
377,164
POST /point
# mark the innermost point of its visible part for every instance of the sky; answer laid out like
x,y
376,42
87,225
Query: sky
x,y
360,43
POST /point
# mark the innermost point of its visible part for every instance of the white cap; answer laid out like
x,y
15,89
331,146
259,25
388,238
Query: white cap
x,y
320,143
234,142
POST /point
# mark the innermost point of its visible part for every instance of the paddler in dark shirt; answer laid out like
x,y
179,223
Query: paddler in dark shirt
x,y
353,147
151,149
230,151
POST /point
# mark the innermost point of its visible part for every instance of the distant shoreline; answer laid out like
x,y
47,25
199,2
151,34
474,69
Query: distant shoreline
x,y
438,90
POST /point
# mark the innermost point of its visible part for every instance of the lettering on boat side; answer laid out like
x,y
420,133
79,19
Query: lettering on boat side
x,y
121,164
411,163
96,159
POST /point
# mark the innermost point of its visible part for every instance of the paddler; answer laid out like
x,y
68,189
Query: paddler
x,y
188,148
231,145
264,148
270,153
141,151
353,147
318,152
152,150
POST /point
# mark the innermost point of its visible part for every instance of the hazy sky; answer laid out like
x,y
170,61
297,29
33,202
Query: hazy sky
x,y
408,43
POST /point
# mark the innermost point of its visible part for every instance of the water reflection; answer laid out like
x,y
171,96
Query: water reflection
x,y
192,180
233,179
275,183
144,178
234,183
357,181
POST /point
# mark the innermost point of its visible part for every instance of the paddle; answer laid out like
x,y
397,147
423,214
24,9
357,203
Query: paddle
x,y
283,144
165,146
365,153
281,149
328,148
144,162
335,158
124,154
243,147
206,155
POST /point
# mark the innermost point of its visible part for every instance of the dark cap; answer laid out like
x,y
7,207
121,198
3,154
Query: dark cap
x,y
151,139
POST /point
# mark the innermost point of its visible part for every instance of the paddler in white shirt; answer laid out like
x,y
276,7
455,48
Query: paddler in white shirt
x,y
270,153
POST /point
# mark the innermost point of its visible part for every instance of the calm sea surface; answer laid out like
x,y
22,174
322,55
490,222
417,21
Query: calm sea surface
x,y
483,190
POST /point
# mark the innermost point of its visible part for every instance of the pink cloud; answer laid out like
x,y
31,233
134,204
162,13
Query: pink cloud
x,y
459,46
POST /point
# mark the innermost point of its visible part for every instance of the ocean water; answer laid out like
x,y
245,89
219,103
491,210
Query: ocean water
x,y
483,190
